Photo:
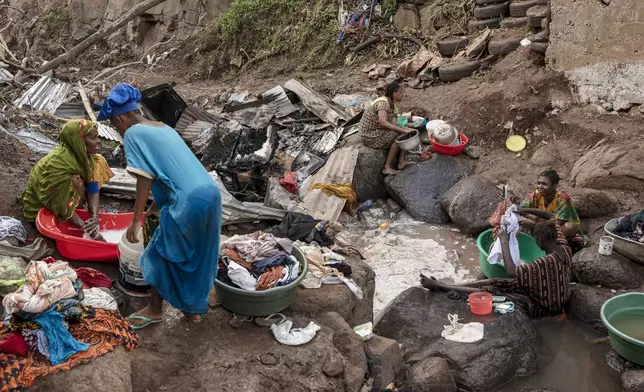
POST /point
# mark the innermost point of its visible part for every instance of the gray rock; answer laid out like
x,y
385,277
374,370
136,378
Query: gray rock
x,y
546,156
610,167
431,375
333,365
111,372
633,381
406,17
86,18
350,346
419,187
613,272
368,180
591,203
416,318
338,298
470,203
385,360
585,304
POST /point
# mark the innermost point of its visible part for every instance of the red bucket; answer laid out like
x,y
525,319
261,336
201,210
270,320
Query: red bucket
x,y
449,150
481,303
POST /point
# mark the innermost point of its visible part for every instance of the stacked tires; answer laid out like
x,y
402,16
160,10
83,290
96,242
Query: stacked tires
x,y
488,14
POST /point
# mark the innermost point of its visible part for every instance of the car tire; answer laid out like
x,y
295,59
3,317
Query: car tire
x,y
518,10
451,45
491,11
457,71
478,25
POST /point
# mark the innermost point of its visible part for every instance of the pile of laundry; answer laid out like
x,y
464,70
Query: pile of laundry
x,y
257,261
631,227
59,319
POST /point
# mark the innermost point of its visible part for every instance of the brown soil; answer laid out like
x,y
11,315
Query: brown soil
x,y
16,161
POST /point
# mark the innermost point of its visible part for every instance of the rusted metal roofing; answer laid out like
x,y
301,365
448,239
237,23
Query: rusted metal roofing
x,y
318,104
47,94
71,110
109,133
233,210
278,102
194,130
338,170
191,114
5,76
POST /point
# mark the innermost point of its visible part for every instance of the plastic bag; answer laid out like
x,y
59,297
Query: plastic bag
x,y
462,333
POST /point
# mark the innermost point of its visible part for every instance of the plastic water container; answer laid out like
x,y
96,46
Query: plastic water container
x,y
481,303
131,276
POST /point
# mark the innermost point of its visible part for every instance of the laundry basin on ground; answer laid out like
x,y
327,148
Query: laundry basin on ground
x,y
623,315
528,248
628,248
261,303
69,238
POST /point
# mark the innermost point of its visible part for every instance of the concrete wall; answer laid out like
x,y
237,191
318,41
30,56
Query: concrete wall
x,y
600,48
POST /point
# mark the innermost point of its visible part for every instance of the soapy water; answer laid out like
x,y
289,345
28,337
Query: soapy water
x,y
112,236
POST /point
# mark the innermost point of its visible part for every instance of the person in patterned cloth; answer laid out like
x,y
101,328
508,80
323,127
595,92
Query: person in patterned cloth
x,y
542,287
378,127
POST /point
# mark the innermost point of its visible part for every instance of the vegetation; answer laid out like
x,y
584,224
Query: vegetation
x,y
57,19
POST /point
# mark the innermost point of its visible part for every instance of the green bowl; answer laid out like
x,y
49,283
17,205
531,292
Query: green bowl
x,y
528,249
261,303
626,346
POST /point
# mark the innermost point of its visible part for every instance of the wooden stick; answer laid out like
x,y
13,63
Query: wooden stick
x,y
100,34
88,106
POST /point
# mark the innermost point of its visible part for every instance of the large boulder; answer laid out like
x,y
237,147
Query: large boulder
x,y
610,167
419,187
470,203
111,372
338,298
86,17
591,203
416,318
385,360
368,180
586,302
613,272
633,381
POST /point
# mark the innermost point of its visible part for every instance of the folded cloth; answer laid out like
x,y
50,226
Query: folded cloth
x,y
98,298
241,277
12,227
62,344
93,278
14,343
511,222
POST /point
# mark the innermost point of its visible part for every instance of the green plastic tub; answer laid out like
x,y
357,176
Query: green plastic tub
x,y
261,303
631,306
528,249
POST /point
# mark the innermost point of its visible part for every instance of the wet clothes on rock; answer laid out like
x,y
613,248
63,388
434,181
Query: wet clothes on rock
x,y
181,258
50,183
542,287
372,134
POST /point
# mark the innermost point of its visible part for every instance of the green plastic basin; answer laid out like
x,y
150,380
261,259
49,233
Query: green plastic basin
x,y
619,306
261,303
528,249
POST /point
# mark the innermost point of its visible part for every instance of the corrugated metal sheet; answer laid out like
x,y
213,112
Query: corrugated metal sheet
x,y
338,170
109,133
318,104
192,114
35,140
47,94
194,130
233,210
328,141
71,110
5,76
278,102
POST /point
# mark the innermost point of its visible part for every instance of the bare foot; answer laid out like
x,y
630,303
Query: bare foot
x,y
404,164
387,171
430,283
144,317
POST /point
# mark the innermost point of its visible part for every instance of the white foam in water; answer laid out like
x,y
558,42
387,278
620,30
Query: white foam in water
x,y
112,236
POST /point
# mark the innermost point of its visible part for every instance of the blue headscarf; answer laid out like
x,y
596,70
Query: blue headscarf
x,y
122,99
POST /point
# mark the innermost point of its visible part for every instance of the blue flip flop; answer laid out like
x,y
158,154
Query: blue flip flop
x,y
147,321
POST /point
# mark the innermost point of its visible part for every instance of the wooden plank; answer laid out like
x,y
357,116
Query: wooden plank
x,y
88,106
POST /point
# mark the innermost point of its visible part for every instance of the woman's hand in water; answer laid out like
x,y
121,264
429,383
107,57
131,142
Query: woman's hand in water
x,y
133,231
90,227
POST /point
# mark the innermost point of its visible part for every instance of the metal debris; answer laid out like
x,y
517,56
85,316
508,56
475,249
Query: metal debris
x,y
191,114
279,102
71,110
36,141
109,133
47,94
194,130
5,76
318,104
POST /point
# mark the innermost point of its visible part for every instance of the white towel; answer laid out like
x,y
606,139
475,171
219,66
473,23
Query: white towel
x,y
510,221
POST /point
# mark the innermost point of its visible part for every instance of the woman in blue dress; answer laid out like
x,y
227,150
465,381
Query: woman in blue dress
x,y
181,255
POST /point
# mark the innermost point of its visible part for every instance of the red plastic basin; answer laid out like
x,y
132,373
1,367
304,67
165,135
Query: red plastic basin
x,y
449,150
69,238
481,303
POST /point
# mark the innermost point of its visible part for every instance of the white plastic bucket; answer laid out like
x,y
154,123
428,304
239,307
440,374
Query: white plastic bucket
x,y
129,254
606,245
409,141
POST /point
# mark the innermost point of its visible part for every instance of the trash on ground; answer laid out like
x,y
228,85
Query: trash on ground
x,y
462,333
365,331
286,334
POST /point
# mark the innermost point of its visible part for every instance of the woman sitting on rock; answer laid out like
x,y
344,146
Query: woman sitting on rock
x,y
548,203
542,287
68,176
378,127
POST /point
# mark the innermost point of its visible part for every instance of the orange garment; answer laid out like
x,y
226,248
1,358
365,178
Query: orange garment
x,y
103,332
234,256
269,279
495,219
